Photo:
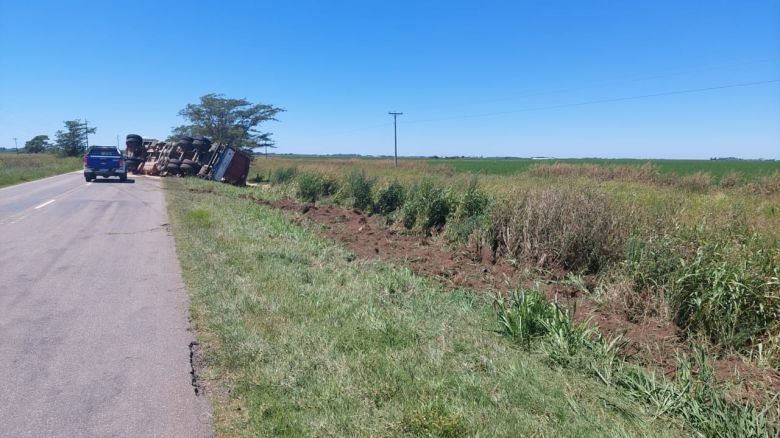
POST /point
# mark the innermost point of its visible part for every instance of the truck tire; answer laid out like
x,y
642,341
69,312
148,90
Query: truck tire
x,y
202,144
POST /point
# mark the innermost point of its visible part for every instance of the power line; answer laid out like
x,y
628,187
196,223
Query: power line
x,y
604,82
395,134
594,102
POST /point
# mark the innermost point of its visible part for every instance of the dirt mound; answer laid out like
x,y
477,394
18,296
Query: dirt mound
x,y
653,343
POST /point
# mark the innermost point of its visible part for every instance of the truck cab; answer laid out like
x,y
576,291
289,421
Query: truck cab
x,y
105,161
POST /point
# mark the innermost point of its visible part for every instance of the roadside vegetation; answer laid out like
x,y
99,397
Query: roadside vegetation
x,y
18,168
695,252
300,337
705,257
697,256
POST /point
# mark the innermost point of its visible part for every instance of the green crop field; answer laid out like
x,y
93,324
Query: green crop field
x,y
18,168
749,169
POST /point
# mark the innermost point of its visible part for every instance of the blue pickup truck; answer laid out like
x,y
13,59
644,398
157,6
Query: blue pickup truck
x,y
104,161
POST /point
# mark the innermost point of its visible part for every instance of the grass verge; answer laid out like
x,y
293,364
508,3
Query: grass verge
x,y
19,168
301,338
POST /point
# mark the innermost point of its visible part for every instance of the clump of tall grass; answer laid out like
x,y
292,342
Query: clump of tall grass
x,y
357,190
427,207
650,261
527,317
730,180
310,187
728,290
696,182
693,397
469,215
283,175
522,317
389,198
766,185
720,284
574,229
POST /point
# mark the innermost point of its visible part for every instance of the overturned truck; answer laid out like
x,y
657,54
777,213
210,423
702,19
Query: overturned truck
x,y
188,156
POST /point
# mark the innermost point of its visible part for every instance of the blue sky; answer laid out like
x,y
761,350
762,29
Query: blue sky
x,y
472,78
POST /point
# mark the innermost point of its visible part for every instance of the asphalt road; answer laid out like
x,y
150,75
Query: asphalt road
x,y
94,336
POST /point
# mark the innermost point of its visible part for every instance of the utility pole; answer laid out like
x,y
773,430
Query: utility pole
x,y
395,134
16,145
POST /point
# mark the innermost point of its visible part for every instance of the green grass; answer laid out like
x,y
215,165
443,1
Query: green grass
x,y
18,168
301,338
749,169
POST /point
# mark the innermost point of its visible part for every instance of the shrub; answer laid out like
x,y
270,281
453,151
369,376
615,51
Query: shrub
x,y
358,189
283,175
427,207
310,187
390,198
574,229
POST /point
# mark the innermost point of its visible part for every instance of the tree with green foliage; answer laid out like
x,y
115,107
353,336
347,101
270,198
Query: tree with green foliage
x,y
225,120
37,144
72,142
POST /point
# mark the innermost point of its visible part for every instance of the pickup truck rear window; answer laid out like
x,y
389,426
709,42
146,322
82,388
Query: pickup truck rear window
x,y
104,152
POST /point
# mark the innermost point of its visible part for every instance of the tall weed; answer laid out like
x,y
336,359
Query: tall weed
x,y
728,289
358,190
390,198
692,397
574,229
470,213
283,175
427,207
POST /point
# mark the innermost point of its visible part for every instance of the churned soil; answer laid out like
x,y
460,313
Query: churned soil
x,y
651,342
